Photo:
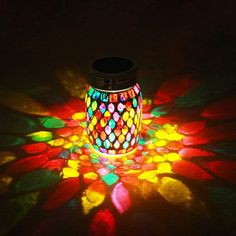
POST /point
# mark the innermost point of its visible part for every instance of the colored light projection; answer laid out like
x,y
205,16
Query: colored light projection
x,y
50,164
114,119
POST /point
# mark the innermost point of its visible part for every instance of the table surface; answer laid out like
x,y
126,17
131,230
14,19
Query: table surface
x,y
180,181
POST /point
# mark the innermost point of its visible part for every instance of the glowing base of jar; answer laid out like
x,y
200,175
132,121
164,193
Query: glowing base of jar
x,y
114,155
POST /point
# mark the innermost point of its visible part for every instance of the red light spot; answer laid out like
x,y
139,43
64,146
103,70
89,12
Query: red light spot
x,y
226,170
190,170
66,190
194,152
225,109
34,148
103,224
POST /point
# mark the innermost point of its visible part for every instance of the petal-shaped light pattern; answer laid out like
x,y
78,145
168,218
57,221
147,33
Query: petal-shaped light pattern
x,y
20,102
4,183
56,164
192,127
63,111
174,191
35,180
7,141
52,122
120,198
41,136
212,134
150,175
6,157
103,224
190,170
27,164
207,91
63,192
173,88
73,82
12,122
93,196
20,205
221,110
228,148
226,170
195,152
34,148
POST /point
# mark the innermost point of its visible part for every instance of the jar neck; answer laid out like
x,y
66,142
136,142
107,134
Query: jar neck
x,y
113,91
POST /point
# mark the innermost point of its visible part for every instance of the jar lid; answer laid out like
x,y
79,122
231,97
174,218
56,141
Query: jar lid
x,y
113,73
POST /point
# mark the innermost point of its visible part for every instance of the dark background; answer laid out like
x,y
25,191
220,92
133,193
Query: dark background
x,y
165,37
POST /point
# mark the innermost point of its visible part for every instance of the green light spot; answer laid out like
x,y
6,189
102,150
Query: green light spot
x,y
41,136
135,103
112,123
52,122
107,143
142,141
94,105
110,178
125,145
90,111
98,142
111,167
83,124
129,162
112,137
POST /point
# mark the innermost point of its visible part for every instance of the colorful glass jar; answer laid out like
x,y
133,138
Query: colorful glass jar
x,y
113,106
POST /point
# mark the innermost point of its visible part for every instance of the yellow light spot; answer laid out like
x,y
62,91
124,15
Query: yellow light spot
x,y
74,138
164,168
125,116
147,122
170,128
68,145
151,146
88,102
125,130
56,142
94,105
73,164
135,119
94,120
93,196
68,172
107,114
121,138
175,136
129,122
6,157
90,127
161,134
84,157
159,158
132,113
79,116
148,159
91,176
4,183
174,191
153,180
161,143
103,122
172,157
150,174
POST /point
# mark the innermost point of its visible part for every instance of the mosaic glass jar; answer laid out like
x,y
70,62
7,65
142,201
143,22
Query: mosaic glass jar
x,y
113,106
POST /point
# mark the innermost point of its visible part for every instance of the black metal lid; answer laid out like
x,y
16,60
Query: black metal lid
x,y
113,73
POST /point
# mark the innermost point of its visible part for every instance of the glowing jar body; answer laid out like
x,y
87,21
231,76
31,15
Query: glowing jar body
x,y
113,106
